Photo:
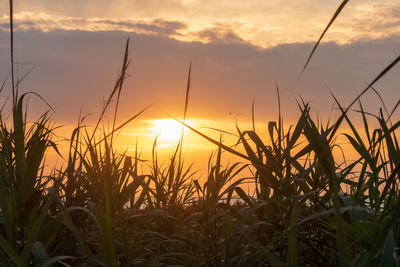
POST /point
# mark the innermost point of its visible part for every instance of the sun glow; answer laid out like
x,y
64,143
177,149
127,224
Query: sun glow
x,y
167,129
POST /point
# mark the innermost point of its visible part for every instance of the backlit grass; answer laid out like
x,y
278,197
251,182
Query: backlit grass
x,y
308,207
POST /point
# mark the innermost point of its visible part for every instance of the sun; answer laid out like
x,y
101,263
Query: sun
x,y
167,129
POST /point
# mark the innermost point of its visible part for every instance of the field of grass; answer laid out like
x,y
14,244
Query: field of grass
x,y
309,208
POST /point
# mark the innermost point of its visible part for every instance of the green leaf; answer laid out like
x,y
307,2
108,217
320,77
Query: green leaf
x,y
39,252
291,236
35,231
243,196
53,260
388,250
11,252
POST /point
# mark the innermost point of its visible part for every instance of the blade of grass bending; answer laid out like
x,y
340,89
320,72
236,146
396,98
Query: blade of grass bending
x,y
218,130
390,181
35,231
243,196
390,144
358,145
390,130
381,74
12,50
280,122
19,132
4,104
24,75
126,63
393,110
252,116
2,85
41,98
123,125
339,9
117,84
185,111
380,98
11,252
366,127
54,260
219,144
187,92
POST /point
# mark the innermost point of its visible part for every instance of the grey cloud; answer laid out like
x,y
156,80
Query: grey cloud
x,y
157,26
163,26
381,18
219,33
29,21
258,23
4,26
75,67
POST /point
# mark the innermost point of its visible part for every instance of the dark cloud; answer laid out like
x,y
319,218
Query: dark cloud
x,y
28,21
219,33
4,26
163,26
76,67
155,26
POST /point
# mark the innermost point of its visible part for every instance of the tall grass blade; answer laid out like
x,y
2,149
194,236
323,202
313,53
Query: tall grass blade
x,y
219,144
180,144
12,51
381,74
291,236
122,125
339,9
124,68
323,152
187,92
11,252
35,231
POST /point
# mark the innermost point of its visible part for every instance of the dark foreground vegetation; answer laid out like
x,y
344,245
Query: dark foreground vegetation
x,y
100,209
308,208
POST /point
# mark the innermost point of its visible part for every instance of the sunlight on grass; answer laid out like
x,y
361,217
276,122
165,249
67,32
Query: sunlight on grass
x,y
273,194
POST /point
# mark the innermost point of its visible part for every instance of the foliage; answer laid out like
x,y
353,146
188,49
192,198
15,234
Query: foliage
x,y
102,209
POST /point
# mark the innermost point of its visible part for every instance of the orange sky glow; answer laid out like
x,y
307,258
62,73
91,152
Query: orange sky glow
x,y
238,51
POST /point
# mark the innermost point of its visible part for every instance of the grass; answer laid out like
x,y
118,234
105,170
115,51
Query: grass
x,y
102,209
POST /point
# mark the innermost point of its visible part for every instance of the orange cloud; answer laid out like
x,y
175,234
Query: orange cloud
x,y
257,23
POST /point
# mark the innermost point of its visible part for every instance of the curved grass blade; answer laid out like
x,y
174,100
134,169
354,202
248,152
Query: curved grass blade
x,y
323,33
381,74
11,252
219,144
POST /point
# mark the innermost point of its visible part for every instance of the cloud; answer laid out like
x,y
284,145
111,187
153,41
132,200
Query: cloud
x,y
259,23
218,33
78,68
27,21
370,21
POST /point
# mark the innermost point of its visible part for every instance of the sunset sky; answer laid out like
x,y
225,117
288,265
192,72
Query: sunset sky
x,y
237,49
